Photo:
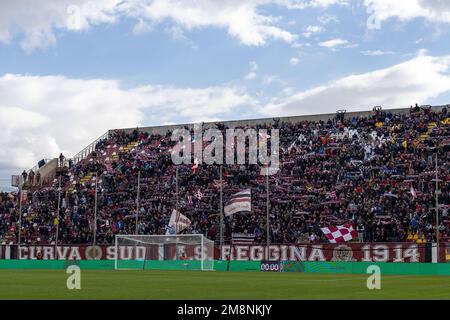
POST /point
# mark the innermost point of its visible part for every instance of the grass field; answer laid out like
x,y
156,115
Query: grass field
x,y
51,284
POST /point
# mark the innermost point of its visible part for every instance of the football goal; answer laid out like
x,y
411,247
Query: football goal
x,y
165,252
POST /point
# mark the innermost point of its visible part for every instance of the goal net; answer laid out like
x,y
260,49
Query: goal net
x,y
166,252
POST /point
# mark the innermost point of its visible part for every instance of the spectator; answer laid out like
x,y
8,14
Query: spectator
x,y
61,160
356,170
38,178
360,230
31,177
24,176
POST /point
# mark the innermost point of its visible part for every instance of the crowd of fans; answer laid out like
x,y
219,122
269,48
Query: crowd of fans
x,y
375,172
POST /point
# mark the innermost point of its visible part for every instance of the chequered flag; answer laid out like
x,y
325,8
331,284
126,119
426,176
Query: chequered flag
x,y
337,234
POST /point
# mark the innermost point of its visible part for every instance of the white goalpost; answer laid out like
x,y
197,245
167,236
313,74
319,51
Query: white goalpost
x,y
180,251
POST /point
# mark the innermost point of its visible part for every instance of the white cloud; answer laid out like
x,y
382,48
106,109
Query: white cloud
x,y
142,27
268,80
250,76
333,43
36,23
315,3
327,3
310,30
374,53
417,80
297,45
179,34
253,71
41,116
405,10
39,23
294,61
327,18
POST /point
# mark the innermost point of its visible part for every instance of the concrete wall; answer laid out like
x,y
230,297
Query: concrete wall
x,y
48,170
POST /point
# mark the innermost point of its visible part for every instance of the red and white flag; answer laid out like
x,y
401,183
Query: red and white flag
x,y
413,192
332,195
198,195
242,238
195,166
337,234
240,202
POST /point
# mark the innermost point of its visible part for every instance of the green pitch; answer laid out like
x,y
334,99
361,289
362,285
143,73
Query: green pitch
x,y
51,284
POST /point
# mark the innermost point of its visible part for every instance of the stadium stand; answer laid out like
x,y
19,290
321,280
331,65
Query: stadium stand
x,y
374,170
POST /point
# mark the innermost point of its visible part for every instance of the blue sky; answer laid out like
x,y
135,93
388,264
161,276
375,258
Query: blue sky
x,y
72,69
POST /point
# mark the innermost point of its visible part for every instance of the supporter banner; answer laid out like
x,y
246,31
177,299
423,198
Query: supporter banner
x,y
362,252
104,252
370,252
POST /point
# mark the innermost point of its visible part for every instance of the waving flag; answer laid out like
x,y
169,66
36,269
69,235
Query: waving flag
x,y
242,238
240,202
177,223
292,146
413,192
332,195
337,234
217,183
195,166
198,195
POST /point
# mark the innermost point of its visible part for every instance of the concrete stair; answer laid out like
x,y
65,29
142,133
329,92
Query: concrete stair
x,y
130,146
114,157
424,136
86,178
125,149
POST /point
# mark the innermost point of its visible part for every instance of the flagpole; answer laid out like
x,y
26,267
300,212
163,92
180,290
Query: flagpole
x,y
138,192
221,211
267,215
437,208
95,209
57,213
20,216
177,196
137,199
